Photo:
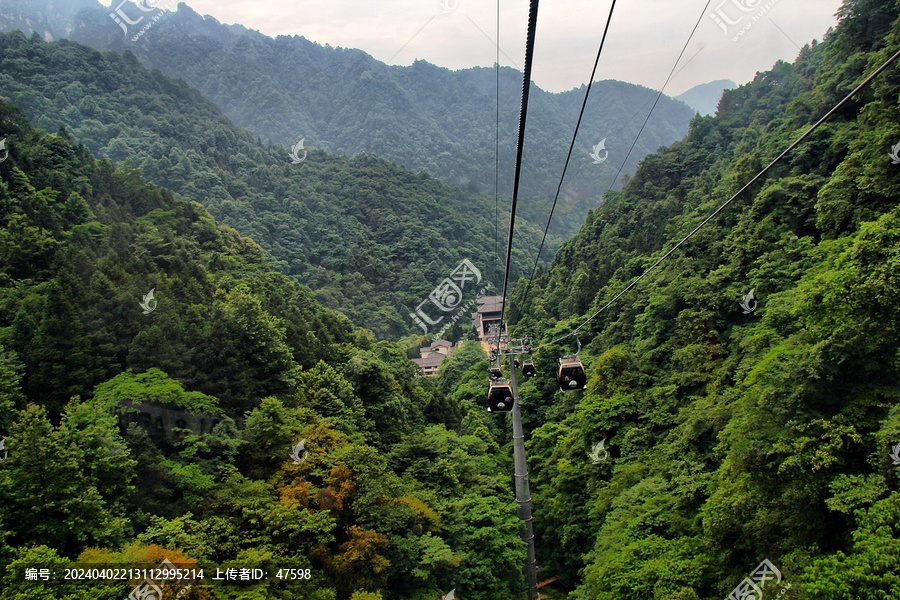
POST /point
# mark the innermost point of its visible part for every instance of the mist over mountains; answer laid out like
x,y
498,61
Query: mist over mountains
x,y
371,238
344,101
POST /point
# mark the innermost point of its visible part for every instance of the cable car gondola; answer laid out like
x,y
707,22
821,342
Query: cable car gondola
x,y
528,369
500,397
572,375
495,372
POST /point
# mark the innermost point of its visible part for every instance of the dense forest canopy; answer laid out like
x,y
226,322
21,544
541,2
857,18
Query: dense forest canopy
x,y
402,486
231,419
736,435
370,238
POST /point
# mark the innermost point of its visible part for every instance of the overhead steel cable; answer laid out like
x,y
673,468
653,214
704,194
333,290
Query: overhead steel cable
x,y
562,177
497,146
634,143
523,115
522,488
658,96
758,176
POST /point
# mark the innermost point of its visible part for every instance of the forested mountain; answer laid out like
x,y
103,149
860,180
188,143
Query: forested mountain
x,y
747,391
704,98
736,433
118,301
370,238
344,101
52,19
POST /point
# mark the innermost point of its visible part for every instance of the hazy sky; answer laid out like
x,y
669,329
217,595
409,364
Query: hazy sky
x,y
645,37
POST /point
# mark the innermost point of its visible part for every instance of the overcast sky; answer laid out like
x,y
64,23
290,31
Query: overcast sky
x,y
645,37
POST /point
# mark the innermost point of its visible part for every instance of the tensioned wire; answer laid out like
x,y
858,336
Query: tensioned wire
x,y
587,93
758,176
658,96
497,147
633,144
523,115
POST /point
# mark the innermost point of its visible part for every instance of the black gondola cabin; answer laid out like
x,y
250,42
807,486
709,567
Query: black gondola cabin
x,y
572,375
528,369
500,397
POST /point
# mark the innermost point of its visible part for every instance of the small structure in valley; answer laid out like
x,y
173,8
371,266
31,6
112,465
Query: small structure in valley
x,y
487,315
431,357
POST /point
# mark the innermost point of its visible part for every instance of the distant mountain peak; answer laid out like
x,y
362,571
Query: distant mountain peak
x,y
704,98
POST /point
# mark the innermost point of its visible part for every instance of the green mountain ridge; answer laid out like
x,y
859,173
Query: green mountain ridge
x,y
370,507
704,98
423,117
735,437
370,238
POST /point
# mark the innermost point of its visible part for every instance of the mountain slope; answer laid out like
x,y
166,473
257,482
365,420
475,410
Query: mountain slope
x,y
739,429
372,239
704,98
138,429
422,116
52,19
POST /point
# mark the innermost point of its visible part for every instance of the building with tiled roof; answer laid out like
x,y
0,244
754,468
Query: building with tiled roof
x,y
487,315
430,358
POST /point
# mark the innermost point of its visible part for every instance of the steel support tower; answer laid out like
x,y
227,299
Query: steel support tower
x,y
512,349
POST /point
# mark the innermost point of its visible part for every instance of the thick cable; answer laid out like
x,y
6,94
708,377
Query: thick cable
x,y
523,115
633,144
587,93
758,176
497,146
